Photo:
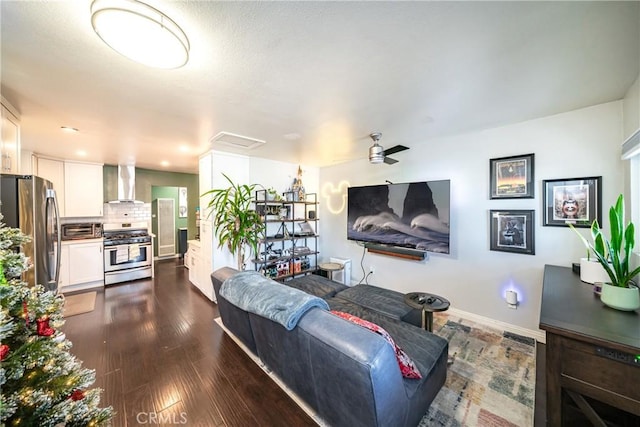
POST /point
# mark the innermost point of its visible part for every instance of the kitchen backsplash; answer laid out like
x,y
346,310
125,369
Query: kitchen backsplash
x,y
117,212
126,212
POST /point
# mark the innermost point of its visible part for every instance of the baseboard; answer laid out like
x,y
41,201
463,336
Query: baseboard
x,y
538,335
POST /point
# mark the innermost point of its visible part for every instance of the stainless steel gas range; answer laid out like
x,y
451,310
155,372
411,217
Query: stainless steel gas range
x,y
128,254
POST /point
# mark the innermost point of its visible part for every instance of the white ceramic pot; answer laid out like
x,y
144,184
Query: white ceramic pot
x,y
591,271
625,299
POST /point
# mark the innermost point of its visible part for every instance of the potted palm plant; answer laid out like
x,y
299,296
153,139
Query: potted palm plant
x,y
614,254
235,223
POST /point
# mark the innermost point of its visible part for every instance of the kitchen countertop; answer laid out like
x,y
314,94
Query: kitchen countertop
x,y
78,241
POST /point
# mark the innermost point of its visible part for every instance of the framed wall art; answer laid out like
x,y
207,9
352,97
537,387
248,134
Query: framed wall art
x,y
575,201
512,231
512,177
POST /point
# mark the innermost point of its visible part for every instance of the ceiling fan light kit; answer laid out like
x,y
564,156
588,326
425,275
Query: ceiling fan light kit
x,y
377,154
140,32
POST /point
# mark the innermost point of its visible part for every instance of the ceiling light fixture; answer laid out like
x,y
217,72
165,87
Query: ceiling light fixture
x,y
140,32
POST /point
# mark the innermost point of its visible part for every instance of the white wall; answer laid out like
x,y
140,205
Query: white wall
x,y
631,109
280,175
580,143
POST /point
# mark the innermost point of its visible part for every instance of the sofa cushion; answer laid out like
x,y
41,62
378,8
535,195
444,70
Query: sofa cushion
x,y
316,285
385,301
407,366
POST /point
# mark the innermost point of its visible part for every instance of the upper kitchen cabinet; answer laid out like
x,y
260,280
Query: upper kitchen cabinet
x,y
10,143
78,185
83,189
53,170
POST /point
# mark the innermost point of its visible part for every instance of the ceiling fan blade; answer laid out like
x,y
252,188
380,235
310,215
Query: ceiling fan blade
x,y
390,161
395,149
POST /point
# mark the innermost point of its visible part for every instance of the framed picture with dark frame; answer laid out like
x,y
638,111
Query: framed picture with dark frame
x,y
512,231
576,201
512,177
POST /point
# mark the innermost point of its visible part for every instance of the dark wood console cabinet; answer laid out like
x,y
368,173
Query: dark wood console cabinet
x,y
592,355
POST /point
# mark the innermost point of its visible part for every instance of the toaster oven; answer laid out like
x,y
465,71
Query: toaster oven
x,y
81,231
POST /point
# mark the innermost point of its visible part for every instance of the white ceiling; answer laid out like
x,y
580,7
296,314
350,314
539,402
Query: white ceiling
x,y
330,72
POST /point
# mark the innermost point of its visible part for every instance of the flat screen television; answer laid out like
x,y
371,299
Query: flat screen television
x,y
411,215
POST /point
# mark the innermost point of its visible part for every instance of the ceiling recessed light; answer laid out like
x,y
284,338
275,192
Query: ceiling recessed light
x,y
68,129
81,153
164,163
183,148
140,32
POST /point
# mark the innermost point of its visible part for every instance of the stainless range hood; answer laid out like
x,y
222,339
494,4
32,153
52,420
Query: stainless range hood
x,y
126,185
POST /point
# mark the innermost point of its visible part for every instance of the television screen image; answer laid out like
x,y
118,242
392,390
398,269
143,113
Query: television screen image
x,y
410,215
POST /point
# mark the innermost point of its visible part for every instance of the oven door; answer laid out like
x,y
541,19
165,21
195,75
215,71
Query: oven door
x,y
124,257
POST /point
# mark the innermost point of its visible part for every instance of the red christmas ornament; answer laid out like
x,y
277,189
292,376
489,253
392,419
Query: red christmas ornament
x,y
4,350
77,395
44,330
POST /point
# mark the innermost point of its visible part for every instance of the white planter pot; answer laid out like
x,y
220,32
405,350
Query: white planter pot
x,y
592,271
625,299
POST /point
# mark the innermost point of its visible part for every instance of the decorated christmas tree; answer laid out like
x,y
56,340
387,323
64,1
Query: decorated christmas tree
x,y
42,383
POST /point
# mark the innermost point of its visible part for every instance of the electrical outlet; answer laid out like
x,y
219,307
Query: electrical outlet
x,y
371,269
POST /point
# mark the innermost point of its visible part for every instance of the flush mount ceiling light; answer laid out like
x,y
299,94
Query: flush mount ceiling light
x,y
140,32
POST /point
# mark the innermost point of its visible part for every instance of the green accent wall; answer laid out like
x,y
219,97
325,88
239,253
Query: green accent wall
x,y
146,179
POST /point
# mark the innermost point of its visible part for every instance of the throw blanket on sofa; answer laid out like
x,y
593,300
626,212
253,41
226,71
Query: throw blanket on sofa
x,y
260,295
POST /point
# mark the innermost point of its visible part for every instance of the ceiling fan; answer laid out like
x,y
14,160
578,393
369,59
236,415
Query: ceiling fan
x,y
377,154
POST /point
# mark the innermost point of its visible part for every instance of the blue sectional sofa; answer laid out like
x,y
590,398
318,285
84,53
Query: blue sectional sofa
x,y
346,373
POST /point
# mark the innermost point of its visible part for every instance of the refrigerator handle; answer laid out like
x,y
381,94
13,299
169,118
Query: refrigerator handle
x,y
51,194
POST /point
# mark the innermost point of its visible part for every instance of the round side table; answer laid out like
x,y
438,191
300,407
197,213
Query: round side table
x,y
428,303
330,267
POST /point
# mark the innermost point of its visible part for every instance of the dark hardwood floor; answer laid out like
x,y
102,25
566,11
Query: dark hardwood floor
x,y
161,360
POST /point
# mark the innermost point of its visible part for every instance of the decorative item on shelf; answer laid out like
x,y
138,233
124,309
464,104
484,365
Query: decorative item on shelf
x,y
298,188
272,195
235,223
619,291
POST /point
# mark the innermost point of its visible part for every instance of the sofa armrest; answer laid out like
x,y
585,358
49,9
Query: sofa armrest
x,y
371,391
219,276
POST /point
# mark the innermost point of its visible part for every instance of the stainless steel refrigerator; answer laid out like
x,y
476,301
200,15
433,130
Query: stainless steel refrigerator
x,y
29,203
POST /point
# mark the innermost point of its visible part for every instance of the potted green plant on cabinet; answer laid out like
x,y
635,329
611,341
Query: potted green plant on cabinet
x,y
614,256
235,223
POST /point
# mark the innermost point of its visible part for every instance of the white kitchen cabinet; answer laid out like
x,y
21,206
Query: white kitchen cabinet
x,y
81,265
10,142
83,189
63,280
194,262
86,262
78,186
206,259
53,170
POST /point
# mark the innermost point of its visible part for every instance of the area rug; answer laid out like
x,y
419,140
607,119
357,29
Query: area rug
x,y
79,303
490,382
